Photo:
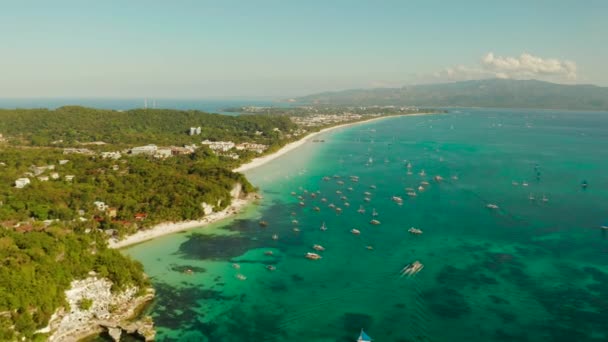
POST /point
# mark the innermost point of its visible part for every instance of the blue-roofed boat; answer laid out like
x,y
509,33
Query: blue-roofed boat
x,y
363,337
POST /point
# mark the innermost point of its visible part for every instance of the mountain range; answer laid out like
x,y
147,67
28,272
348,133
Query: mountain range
x,y
501,93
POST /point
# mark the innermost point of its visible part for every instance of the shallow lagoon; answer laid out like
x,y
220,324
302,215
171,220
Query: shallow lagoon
x,y
528,271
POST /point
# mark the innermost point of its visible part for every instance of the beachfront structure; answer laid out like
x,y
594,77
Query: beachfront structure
x,y
219,146
259,148
111,155
20,183
148,149
43,178
69,178
195,131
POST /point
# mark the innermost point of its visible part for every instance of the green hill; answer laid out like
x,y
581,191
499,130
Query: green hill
x,y
479,93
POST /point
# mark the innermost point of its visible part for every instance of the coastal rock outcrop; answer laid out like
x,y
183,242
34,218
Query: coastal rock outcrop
x,y
103,311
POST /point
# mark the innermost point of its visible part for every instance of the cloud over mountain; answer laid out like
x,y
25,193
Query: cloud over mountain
x,y
525,66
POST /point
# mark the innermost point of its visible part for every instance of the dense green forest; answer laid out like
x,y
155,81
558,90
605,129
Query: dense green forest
x,y
37,267
68,126
51,231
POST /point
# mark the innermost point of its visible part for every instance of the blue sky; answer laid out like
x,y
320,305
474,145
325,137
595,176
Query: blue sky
x,y
207,49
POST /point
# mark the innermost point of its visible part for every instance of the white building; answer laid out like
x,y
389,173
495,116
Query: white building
x,y
54,175
63,162
195,130
163,153
69,178
148,149
43,178
100,205
219,146
21,182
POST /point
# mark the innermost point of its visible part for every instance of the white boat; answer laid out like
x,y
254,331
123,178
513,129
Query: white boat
x,y
367,193
275,237
296,230
374,212
524,183
236,266
372,187
412,269
531,197
421,188
323,227
355,231
361,210
374,222
415,231
313,256
318,248
294,221
438,178
422,173
397,199
545,199
367,199
412,194
241,277
424,183
363,337
492,206
271,268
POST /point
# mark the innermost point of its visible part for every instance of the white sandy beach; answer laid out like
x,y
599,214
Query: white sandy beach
x,y
291,146
174,227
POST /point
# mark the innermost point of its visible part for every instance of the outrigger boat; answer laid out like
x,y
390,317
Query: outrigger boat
x,y
318,248
415,231
412,269
363,337
313,256
361,210
492,206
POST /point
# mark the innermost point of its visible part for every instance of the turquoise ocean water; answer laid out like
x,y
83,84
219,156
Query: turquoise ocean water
x,y
531,270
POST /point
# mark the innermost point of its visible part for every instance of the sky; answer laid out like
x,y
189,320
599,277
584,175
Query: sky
x,y
287,48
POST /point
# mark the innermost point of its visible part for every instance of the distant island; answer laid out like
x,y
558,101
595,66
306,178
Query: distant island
x,y
500,93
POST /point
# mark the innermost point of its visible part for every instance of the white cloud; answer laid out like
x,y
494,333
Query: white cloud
x,y
525,66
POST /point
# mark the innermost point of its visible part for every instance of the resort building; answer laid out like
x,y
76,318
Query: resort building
x,y
163,153
54,175
259,148
219,146
20,183
195,131
69,178
148,149
43,178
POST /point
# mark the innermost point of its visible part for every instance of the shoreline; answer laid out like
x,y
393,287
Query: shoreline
x,y
168,228
257,162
